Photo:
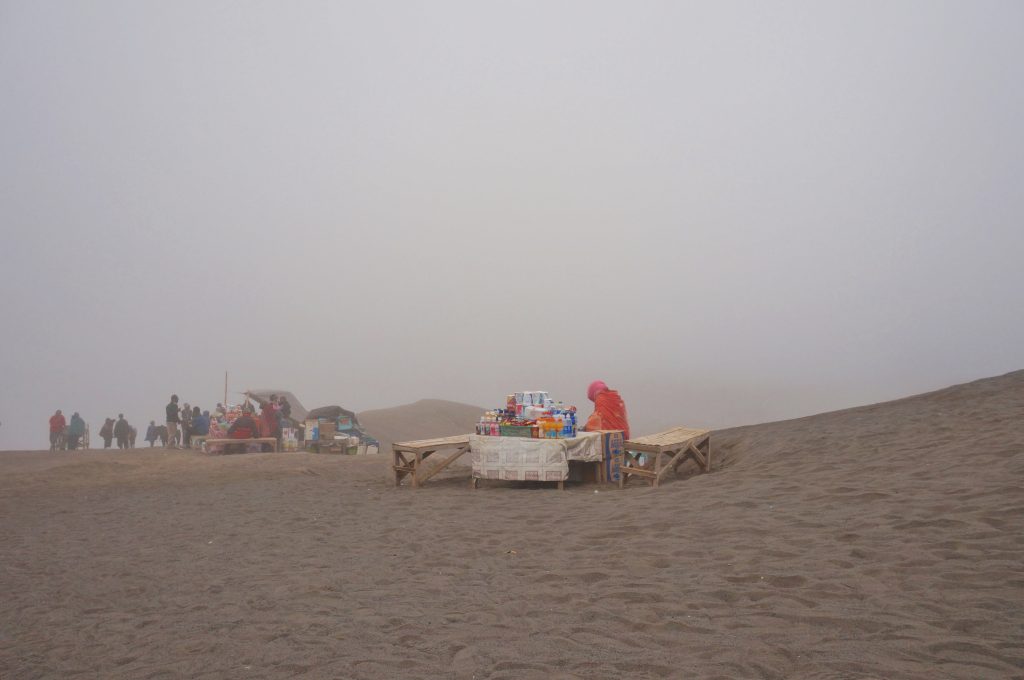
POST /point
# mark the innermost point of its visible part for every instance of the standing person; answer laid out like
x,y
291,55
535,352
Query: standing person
x,y
151,435
161,432
132,434
57,425
122,430
76,430
186,425
268,418
173,419
609,409
107,432
219,412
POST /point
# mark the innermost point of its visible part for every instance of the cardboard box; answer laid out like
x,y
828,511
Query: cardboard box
x,y
612,445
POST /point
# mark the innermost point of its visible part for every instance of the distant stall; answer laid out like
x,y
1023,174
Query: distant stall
x,y
324,429
335,429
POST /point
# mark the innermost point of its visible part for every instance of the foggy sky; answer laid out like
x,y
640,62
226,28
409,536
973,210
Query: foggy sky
x,y
732,212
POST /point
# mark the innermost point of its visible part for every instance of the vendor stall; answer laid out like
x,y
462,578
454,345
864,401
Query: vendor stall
x,y
219,440
334,429
532,438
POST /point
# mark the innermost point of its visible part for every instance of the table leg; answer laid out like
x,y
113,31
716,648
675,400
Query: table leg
x,y
416,470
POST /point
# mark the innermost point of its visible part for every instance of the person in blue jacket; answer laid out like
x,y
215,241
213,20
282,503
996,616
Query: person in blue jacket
x,y
200,422
76,430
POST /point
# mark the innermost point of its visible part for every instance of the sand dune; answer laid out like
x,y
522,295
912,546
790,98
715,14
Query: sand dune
x,y
421,420
878,542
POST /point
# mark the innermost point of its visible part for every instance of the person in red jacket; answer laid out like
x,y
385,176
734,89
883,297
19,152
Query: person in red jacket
x,y
269,426
57,425
244,427
609,409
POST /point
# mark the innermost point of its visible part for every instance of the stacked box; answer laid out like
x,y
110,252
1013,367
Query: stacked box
x,y
327,430
516,431
312,430
612,444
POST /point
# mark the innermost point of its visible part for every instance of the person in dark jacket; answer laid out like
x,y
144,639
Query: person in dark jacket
x,y
244,427
186,426
107,432
173,419
151,435
76,430
122,431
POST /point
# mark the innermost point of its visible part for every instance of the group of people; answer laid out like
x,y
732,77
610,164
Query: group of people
x,y
65,435
269,423
120,430
183,423
186,422
68,436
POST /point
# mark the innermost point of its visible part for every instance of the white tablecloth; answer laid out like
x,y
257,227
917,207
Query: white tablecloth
x,y
539,460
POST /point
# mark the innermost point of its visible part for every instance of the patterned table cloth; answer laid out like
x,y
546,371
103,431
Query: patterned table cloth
x,y
539,460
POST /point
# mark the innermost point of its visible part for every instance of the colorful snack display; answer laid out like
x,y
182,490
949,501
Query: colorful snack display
x,y
529,413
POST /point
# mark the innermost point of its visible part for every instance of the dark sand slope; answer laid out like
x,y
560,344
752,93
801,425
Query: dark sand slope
x,y
423,419
880,542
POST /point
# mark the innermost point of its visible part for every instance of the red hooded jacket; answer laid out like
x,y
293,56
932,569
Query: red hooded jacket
x,y
609,413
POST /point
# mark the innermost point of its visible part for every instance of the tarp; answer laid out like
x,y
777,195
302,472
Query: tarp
x,y
332,413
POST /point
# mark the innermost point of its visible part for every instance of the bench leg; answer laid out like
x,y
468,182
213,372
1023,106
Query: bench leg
x,y
416,470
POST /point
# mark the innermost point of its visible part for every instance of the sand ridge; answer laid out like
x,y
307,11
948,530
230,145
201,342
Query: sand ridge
x,y
880,542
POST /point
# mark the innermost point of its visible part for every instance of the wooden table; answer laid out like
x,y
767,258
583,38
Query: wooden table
x,y
409,457
678,444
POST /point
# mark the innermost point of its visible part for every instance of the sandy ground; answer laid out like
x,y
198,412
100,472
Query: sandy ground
x,y
881,542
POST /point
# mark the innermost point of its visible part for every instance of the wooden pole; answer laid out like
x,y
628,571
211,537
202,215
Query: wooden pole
x,y
225,402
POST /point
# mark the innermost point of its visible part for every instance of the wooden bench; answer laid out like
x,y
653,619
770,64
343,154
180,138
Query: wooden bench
x,y
409,457
678,444
230,441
